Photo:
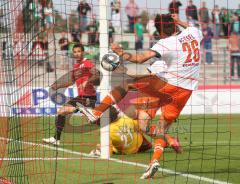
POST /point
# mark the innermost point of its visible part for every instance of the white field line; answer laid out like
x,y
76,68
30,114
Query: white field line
x,y
168,171
205,143
187,125
46,159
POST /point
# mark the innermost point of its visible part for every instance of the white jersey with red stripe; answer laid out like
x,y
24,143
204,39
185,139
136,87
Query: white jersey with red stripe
x,y
182,56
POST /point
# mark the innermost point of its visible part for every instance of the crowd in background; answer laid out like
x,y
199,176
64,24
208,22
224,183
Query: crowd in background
x,y
222,22
215,23
41,13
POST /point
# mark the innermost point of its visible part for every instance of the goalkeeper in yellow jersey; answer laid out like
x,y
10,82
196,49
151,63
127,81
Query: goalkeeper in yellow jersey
x,y
126,132
125,135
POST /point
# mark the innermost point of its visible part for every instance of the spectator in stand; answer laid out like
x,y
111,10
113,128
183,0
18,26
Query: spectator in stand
x,y
203,14
75,33
48,14
116,16
207,43
139,30
174,7
83,9
111,30
132,12
191,11
95,20
226,21
1,18
150,27
115,7
96,23
35,9
63,43
116,22
234,47
216,19
192,22
235,27
92,33
238,11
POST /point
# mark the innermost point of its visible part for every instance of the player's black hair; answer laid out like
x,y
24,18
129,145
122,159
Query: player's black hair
x,y
165,24
78,45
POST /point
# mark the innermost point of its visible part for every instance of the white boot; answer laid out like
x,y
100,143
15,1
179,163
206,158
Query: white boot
x,y
87,112
151,170
52,141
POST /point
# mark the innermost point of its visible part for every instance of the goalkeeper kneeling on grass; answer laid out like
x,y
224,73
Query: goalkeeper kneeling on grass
x,y
127,133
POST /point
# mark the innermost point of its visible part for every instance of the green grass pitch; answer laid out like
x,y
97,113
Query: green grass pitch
x,y
211,150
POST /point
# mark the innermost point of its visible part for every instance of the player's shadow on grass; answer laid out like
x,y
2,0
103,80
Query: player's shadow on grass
x,y
84,128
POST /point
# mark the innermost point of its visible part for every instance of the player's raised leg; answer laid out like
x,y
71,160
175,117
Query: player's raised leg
x,y
113,97
119,92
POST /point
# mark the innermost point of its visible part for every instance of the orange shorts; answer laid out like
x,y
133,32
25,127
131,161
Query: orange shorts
x,y
171,99
146,103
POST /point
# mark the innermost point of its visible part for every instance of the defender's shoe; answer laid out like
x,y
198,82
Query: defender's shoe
x,y
151,170
52,141
176,145
87,112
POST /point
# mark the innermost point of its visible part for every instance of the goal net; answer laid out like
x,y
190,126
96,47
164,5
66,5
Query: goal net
x,y
45,139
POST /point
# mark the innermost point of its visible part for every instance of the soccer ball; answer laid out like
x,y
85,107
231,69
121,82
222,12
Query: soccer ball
x,y
110,61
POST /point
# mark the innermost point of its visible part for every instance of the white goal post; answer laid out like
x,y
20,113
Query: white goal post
x,y
105,83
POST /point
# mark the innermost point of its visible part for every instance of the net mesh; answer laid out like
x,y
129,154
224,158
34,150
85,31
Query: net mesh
x,y
34,56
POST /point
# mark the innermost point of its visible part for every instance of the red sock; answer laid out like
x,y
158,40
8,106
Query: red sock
x,y
159,145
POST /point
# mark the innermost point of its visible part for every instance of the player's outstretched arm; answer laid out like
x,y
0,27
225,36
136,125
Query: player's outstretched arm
x,y
64,81
134,58
179,22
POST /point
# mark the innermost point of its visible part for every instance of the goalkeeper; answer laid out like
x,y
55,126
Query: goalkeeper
x,y
125,135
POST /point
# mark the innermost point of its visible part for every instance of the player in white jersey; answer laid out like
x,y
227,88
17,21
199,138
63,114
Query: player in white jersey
x,y
173,87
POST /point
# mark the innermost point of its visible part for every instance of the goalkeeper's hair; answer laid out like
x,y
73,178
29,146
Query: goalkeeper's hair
x,y
114,114
165,24
78,45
